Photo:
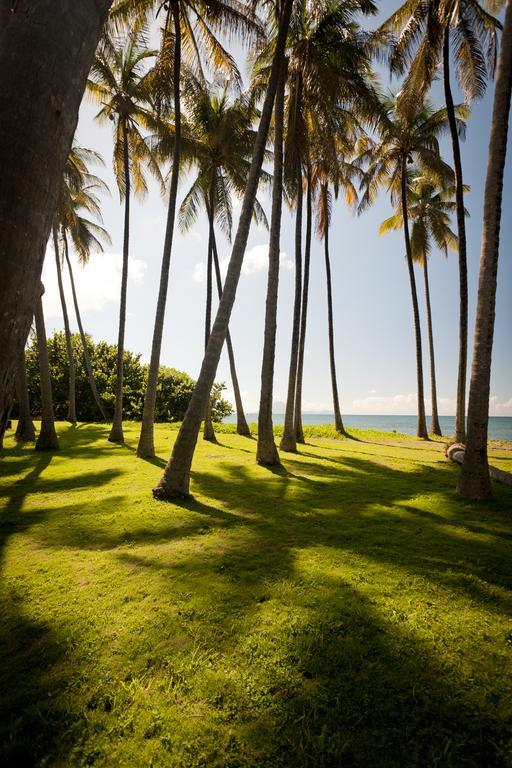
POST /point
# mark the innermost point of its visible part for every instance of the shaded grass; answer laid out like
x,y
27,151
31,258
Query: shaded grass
x,y
347,611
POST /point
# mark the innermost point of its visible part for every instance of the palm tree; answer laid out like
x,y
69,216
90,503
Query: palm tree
x,y
474,481
429,211
25,431
406,137
67,332
47,439
176,478
428,30
119,82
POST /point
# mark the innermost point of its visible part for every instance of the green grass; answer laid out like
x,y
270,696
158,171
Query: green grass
x,y
349,611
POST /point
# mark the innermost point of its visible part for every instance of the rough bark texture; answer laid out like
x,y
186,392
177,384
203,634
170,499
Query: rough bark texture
x,y
146,446
457,452
176,477
338,421
422,423
47,438
41,88
299,432
474,482
208,431
25,430
67,333
435,426
116,433
460,416
267,453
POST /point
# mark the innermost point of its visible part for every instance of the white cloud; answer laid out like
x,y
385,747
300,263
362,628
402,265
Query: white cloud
x,y
255,260
407,404
199,273
500,409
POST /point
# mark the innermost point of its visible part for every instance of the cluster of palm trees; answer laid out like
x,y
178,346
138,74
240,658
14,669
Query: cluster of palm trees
x,y
313,124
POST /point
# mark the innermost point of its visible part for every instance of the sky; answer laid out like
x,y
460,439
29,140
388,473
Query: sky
x,y
374,335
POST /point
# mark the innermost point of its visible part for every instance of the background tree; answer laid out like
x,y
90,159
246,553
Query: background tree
x,y
47,437
25,430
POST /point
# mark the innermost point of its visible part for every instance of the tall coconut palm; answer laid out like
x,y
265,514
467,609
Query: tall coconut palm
x,y
474,481
429,32
406,136
25,431
429,210
67,332
47,438
176,477
119,82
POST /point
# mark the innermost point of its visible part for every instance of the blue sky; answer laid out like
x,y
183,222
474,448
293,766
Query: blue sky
x,y
372,306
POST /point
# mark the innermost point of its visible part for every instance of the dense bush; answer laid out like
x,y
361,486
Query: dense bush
x,y
174,387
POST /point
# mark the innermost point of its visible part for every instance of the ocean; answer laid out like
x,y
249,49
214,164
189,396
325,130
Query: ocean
x,y
500,427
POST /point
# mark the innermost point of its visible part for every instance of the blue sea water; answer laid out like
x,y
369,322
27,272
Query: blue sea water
x,y
500,427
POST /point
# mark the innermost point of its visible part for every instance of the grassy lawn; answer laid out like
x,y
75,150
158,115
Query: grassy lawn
x,y
349,611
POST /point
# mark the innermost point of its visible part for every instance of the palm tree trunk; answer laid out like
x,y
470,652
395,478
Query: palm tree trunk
x,y
146,446
87,359
474,481
116,433
47,96
422,423
299,433
176,477
460,416
25,431
67,333
209,432
288,438
242,426
47,438
435,426
338,421
266,452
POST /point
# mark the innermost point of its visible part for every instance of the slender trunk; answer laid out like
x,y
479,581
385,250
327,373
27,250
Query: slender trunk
x,y
146,446
87,359
338,421
435,426
25,431
267,453
460,417
47,438
299,433
176,477
288,438
474,482
209,432
47,96
422,423
242,426
116,433
67,333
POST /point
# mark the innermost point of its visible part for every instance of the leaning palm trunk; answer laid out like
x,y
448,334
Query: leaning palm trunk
x,y
176,477
35,138
422,423
474,482
67,333
209,432
299,432
47,438
460,417
338,421
25,431
116,433
242,426
288,439
266,452
87,359
435,426
146,446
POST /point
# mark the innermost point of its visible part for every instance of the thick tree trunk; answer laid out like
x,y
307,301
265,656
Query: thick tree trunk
x,y
146,446
176,477
40,93
25,430
299,432
208,431
267,453
47,438
338,421
87,359
288,439
67,333
242,426
460,417
435,426
474,482
422,423
116,432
